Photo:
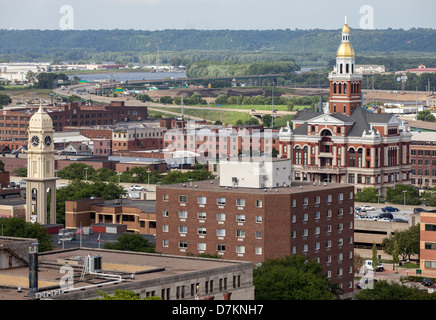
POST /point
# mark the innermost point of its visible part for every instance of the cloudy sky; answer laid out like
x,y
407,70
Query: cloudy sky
x,y
216,14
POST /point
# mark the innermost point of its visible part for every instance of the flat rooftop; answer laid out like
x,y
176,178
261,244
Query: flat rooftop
x,y
144,266
214,186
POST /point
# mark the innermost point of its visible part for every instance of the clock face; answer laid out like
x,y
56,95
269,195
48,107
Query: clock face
x,y
35,141
47,140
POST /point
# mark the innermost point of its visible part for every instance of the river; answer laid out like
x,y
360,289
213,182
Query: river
x,y
130,76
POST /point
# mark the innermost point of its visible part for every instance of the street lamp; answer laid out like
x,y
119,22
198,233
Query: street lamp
x,y
404,192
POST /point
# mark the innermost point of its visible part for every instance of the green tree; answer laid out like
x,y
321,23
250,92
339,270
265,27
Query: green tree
x,y
78,189
267,119
47,80
221,99
76,171
124,295
292,278
393,291
425,115
374,256
407,242
396,194
18,227
367,195
131,242
21,172
5,100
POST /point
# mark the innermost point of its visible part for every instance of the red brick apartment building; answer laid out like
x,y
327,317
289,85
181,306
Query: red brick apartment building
x,y
423,159
253,224
427,241
14,123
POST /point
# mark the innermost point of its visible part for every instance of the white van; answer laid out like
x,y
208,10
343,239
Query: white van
x,y
367,265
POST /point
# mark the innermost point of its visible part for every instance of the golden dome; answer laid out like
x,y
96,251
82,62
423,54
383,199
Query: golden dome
x,y
345,28
345,50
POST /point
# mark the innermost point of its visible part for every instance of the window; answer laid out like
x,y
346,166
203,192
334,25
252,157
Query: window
x,y
258,219
221,232
240,233
221,201
165,213
317,199
258,250
201,200
183,199
317,215
305,201
317,230
340,196
183,214
240,249
258,235
240,218
201,246
165,243
240,202
258,203
221,216
183,229
305,216
165,197
201,231
183,244
201,215
329,198
221,247
305,232
165,228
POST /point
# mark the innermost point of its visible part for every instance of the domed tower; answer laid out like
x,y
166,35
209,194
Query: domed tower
x,y
345,85
41,181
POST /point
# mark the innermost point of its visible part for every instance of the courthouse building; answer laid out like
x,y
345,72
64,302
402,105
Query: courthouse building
x,y
344,142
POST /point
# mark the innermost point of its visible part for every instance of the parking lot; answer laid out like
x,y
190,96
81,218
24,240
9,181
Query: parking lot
x,y
371,213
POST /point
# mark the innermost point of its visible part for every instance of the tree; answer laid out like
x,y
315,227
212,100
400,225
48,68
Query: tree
x,y
292,278
374,256
131,242
76,171
395,254
21,172
396,194
383,290
124,295
78,189
5,100
221,99
369,194
407,242
267,119
425,115
49,80
18,227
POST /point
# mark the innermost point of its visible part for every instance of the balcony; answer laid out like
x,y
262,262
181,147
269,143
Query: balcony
x,y
324,169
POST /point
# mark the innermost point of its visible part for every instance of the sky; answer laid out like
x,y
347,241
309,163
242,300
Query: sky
x,y
216,14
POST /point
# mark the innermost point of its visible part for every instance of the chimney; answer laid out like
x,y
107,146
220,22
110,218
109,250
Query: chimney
x,y
33,269
227,295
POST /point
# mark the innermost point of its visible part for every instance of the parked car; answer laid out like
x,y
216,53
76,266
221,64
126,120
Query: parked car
x,y
426,282
390,209
135,187
400,220
12,184
418,210
367,264
385,219
365,208
385,215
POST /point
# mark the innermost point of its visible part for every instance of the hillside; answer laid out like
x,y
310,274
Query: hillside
x,y
249,45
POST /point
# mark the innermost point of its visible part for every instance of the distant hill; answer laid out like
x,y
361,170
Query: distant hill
x,y
87,44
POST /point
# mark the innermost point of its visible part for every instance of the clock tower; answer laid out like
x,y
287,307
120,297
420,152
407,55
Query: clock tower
x,y
41,182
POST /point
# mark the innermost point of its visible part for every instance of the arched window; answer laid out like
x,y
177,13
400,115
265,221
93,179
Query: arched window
x,y
340,68
345,88
339,88
351,158
297,155
326,141
334,87
347,68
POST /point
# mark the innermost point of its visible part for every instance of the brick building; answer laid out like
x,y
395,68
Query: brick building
x,y
137,138
253,224
423,159
427,244
138,216
14,123
346,143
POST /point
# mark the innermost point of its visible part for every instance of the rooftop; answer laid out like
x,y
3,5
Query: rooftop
x,y
144,266
214,186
